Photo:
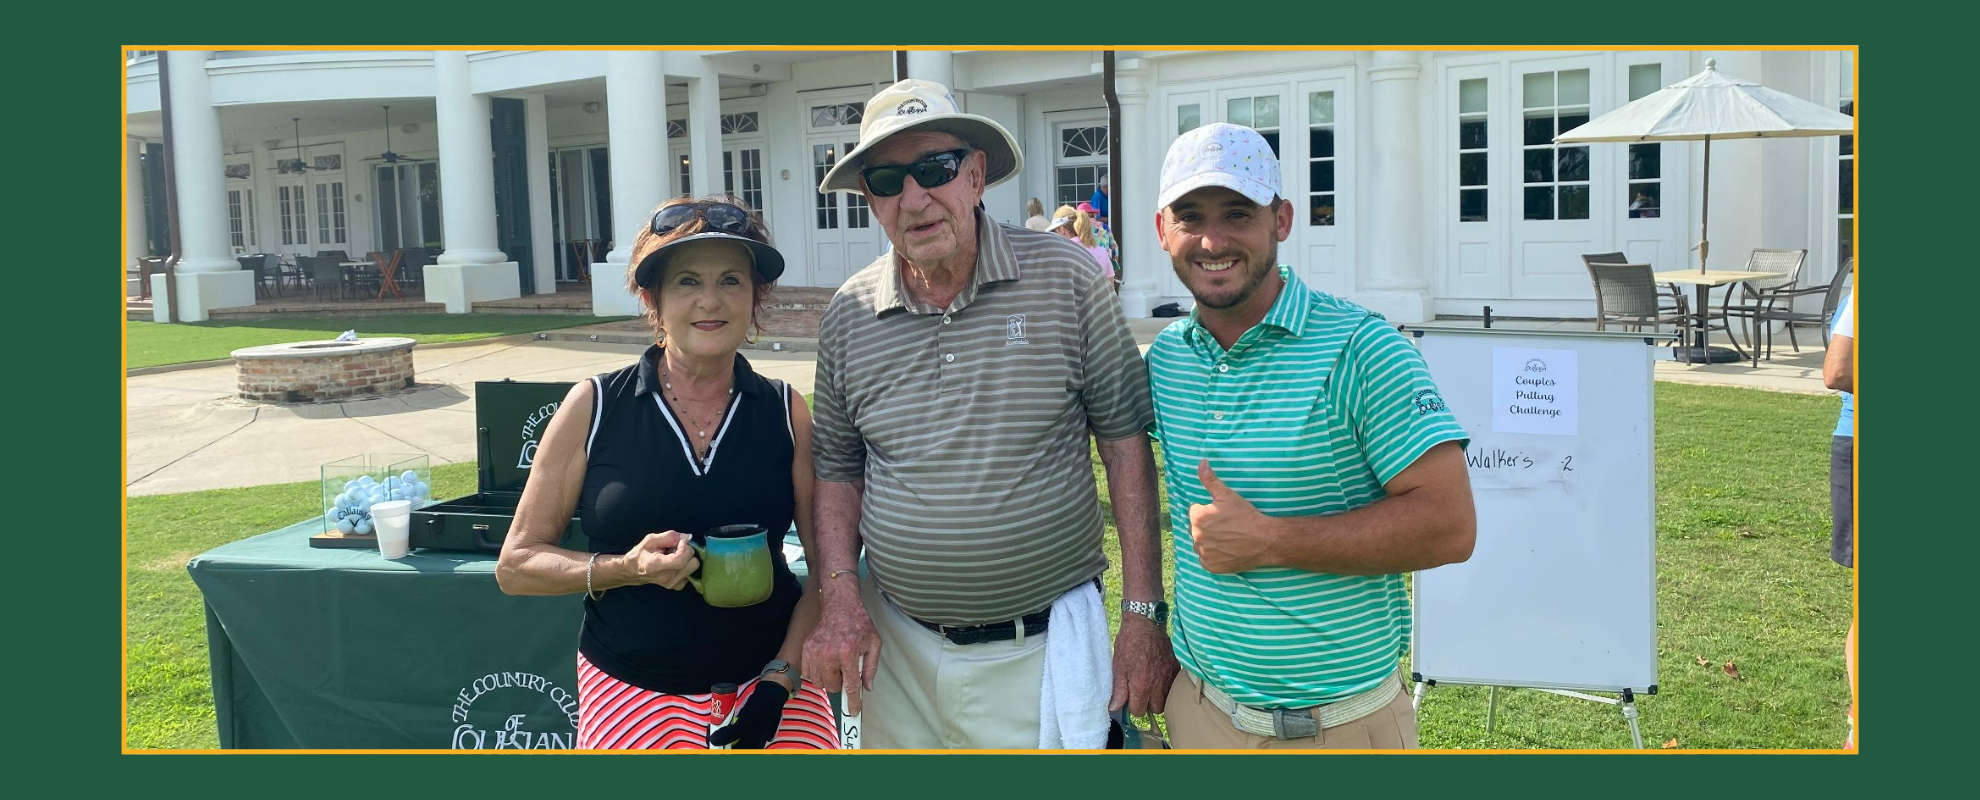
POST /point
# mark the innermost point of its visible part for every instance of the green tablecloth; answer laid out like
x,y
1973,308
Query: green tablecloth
x,y
328,648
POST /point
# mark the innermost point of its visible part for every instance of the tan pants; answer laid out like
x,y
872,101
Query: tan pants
x,y
1195,724
930,693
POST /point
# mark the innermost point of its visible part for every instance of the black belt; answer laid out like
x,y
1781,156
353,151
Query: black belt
x,y
1034,624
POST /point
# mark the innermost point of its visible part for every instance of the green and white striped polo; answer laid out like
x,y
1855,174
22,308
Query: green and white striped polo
x,y
1310,412
969,424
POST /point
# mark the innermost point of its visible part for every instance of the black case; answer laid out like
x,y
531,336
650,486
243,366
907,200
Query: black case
x,y
509,418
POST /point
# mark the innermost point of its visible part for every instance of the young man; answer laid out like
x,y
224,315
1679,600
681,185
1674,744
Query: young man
x,y
960,377
1309,461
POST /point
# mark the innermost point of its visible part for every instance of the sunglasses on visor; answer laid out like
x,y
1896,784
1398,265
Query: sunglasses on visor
x,y
930,172
724,217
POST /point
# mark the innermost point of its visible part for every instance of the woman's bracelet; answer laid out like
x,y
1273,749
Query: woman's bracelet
x,y
587,577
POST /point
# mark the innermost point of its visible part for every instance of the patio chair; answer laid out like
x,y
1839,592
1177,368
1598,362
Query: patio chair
x,y
253,264
334,255
412,261
1757,297
325,274
1627,293
1782,311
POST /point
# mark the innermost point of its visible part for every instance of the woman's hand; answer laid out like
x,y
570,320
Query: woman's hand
x,y
663,559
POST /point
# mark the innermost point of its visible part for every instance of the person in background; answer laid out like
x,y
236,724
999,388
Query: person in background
x,y
1099,200
687,439
1034,216
1077,226
1839,373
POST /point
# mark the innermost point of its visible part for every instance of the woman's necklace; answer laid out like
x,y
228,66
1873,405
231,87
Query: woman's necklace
x,y
702,428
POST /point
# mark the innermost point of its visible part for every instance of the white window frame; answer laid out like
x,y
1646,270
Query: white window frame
x,y
1056,123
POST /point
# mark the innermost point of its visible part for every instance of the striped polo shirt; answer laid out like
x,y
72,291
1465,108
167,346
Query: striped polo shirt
x,y
969,424
1310,412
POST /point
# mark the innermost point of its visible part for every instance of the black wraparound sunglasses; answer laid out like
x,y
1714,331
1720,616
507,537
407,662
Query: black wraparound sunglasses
x,y
724,217
930,171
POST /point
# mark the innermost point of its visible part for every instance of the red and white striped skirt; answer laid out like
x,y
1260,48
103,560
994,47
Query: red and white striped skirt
x,y
615,715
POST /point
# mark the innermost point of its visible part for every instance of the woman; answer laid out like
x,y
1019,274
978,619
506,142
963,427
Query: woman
x,y
688,439
1034,215
1077,226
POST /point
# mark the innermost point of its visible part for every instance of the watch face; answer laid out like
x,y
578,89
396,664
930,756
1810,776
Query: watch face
x,y
1161,612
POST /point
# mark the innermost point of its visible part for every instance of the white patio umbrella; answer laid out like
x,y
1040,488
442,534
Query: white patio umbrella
x,y
1710,106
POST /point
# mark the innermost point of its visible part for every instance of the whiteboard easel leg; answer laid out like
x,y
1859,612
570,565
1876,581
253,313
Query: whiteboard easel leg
x,y
1629,713
1416,702
1491,708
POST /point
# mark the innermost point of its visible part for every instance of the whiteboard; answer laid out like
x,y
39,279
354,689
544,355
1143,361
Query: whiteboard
x,y
1560,591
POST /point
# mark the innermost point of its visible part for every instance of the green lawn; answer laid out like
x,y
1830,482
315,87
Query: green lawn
x,y
1743,576
152,343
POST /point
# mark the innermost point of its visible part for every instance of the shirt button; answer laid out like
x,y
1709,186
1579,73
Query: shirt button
x,y
1223,368
1218,415
945,319
950,358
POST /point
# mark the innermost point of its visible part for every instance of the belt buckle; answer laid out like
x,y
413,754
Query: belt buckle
x,y
1294,723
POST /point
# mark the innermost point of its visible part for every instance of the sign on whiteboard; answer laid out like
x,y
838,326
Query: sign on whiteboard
x,y
1535,391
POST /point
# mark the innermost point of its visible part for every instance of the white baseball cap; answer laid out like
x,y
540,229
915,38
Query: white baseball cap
x,y
1220,154
924,105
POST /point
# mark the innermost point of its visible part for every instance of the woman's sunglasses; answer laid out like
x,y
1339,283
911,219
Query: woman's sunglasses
x,y
930,172
723,217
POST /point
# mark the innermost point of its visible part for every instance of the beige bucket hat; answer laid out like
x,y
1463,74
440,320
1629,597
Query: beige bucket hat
x,y
924,105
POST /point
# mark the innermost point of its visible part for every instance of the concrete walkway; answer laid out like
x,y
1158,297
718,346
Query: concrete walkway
x,y
187,431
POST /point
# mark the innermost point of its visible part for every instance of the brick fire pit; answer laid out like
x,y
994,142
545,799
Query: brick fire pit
x,y
307,372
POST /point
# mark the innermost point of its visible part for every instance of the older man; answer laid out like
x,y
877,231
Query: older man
x,y
960,377
1309,461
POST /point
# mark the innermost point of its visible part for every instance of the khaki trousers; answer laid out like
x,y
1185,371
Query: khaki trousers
x,y
930,693
1195,724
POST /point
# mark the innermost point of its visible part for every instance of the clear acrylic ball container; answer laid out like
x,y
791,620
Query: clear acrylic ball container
x,y
351,486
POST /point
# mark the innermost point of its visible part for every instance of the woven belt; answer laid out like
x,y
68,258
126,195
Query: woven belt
x,y
1294,723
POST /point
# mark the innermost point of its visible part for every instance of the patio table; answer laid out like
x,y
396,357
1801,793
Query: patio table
x,y
1705,280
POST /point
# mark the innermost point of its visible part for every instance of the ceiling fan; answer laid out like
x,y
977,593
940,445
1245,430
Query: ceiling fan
x,y
297,164
388,156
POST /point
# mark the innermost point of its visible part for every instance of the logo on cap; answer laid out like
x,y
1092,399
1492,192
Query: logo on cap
x,y
913,105
1214,148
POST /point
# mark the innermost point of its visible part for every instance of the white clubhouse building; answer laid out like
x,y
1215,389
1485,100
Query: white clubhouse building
x,y
1426,181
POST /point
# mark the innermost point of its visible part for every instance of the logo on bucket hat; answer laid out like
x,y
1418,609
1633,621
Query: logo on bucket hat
x,y
925,106
1220,154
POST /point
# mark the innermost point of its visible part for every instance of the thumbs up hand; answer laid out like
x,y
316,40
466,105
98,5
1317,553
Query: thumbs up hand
x,y
1229,534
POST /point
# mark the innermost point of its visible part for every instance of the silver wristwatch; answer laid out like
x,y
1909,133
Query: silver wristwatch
x,y
778,665
1156,612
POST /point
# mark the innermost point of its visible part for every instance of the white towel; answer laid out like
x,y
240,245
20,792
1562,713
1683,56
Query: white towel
x,y
1079,674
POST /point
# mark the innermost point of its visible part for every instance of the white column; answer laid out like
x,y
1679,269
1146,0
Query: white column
x,y
1395,271
536,128
932,65
1133,203
473,266
704,129
209,277
136,235
636,125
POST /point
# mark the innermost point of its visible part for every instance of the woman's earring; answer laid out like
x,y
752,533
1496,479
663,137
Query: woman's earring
x,y
752,337
660,338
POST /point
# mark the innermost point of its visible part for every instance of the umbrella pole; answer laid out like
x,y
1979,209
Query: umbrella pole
x,y
1705,209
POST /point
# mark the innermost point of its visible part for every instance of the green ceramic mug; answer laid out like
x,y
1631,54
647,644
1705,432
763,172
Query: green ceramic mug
x,y
735,566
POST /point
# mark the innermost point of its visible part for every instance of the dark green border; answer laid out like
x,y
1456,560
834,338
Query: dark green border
x,y
67,601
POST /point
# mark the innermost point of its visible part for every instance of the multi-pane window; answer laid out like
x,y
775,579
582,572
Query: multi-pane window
x,y
687,177
1474,151
739,123
1320,158
240,218
1555,177
289,211
1082,158
1188,118
836,114
857,213
1646,167
742,175
1259,113
1846,189
330,213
